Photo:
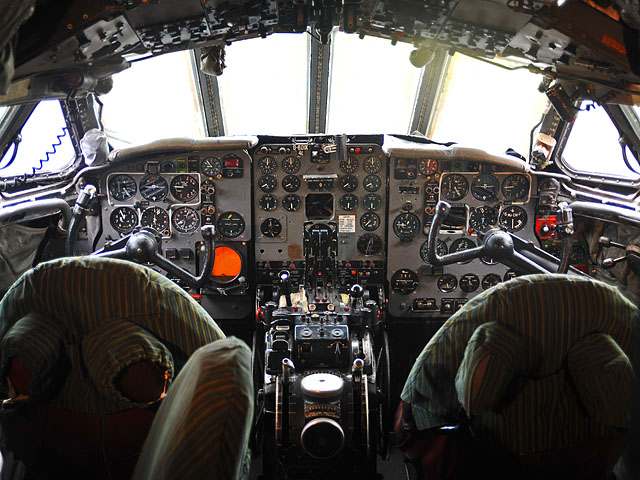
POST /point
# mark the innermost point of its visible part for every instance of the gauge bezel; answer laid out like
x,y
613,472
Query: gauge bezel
x,y
131,181
375,167
165,215
211,171
291,170
162,183
525,193
272,185
235,215
264,169
193,181
411,234
376,180
348,183
487,212
113,223
495,183
179,212
291,196
370,215
445,187
274,221
350,196
449,277
268,197
349,165
296,183
521,211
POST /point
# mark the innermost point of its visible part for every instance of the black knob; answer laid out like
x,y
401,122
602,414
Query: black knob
x,y
356,291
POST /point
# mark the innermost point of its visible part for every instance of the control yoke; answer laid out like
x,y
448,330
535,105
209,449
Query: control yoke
x,y
142,247
502,246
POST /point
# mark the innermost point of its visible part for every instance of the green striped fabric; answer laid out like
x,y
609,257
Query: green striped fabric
x,y
202,428
87,294
550,313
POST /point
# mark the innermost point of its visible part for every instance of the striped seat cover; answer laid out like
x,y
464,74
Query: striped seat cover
x,y
103,315
531,324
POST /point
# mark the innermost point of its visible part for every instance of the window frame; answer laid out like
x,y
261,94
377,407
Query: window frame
x,y
617,115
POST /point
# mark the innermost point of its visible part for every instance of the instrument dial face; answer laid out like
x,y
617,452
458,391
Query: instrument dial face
x,y
291,183
349,165
267,165
485,187
461,244
268,203
156,218
124,219
271,227
291,203
185,220
372,183
441,249
454,187
122,187
369,244
230,224
369,221
469,282
372,201
447,283
372,164
348,202
428,166
513,218
211,167
348,183
406,226
184,188
490,280
404,281
515,187
154,188
267,183
291,165
483,218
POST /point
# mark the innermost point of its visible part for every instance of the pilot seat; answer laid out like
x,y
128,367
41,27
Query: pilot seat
x,y
99,357
530,379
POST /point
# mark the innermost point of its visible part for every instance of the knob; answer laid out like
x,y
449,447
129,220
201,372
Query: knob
x,y
356,291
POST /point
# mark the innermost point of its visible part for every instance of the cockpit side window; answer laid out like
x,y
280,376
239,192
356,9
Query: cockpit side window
x,y
153,99
44,144
593,148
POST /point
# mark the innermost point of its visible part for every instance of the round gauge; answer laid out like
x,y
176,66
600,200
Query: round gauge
x,y
490,280
372,183
460,245
267,183
371,201
369,221
156,218
483,218
348,202
211,167
230,224
404,281
510,275
185,220
348,183
267,165
515,187
154,188
441,249
447,283
291,203
184,188
268,202
271,227
488,261
372,164
124,219
469,282
369,244
406,226
349,165
122,187
291,165
454,187
513,218
291,183
428,166
485,187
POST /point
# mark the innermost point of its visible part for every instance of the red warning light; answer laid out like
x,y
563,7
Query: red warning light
x,y
231,162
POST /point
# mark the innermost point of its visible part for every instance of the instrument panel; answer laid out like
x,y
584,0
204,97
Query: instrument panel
x,y
363,204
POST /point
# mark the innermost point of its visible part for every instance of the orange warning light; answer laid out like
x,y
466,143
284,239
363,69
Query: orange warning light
x,y
227,265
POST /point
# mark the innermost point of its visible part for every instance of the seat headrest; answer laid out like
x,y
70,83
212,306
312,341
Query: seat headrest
x,y
491,359
603,376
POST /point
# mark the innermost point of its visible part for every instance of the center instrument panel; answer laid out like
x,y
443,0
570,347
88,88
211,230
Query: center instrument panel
x,y
360,205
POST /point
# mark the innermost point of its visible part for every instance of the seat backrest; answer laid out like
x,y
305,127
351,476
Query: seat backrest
x,y
85,344
534,364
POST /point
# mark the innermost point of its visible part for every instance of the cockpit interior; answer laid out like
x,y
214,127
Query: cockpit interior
x,y
339,185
